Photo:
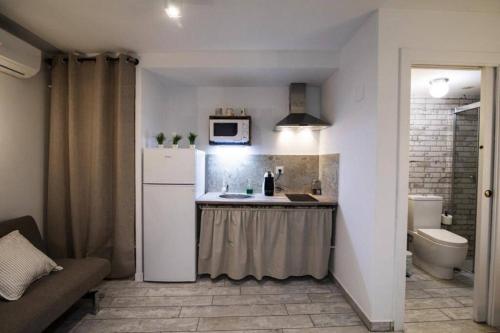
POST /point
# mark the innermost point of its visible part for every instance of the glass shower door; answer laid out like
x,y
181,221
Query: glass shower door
x,y
465,171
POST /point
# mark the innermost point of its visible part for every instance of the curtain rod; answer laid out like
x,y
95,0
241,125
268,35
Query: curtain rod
x,y
130,59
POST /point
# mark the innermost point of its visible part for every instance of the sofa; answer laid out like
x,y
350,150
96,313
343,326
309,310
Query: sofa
x,y
49,297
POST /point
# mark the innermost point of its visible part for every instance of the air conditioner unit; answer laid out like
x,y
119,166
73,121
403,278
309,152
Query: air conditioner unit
x,y
18,58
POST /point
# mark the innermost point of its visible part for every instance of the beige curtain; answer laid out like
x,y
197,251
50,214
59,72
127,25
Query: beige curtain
x,y
275,242
91,199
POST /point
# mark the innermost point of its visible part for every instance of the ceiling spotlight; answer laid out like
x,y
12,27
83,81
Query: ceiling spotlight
x,y
172,9
439,87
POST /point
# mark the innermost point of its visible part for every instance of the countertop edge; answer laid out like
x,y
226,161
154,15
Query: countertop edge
x,y
211,198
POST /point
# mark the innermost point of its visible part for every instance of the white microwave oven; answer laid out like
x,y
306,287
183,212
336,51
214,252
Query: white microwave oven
x,y
230,130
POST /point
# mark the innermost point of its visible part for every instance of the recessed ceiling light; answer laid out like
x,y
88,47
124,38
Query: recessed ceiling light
x,y
172,9
439,87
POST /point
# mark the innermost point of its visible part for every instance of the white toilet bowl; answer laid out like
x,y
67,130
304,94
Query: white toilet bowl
x,y
438,251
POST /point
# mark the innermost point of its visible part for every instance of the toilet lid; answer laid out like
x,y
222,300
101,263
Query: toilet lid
x,y
443,236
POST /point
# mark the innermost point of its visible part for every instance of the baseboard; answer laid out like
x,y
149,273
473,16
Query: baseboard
x,y
373,326
139,276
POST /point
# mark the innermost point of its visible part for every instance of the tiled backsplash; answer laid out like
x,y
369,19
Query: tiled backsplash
x,y
328,174
300,171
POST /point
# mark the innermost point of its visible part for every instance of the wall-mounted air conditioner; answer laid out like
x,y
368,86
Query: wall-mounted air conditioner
x,y
18,58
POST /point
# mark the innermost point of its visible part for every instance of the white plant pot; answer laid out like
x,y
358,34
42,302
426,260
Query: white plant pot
x,y
160,146
175,146
192,146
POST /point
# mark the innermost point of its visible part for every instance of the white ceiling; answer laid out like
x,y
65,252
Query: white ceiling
x,y
142,25
243,77
462,82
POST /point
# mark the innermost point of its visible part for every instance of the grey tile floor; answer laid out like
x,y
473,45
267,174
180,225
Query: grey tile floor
x,y
434,305
298,305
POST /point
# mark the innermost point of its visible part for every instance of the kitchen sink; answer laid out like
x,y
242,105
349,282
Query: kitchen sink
x,y
235,196
300,197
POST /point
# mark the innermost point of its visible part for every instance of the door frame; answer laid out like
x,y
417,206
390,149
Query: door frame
x,y
485,181
407,59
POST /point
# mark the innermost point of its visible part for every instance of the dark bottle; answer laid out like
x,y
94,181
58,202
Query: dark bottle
x,y
269,184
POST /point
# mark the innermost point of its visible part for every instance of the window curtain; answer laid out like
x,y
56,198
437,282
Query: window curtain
x,y
274,242
91,190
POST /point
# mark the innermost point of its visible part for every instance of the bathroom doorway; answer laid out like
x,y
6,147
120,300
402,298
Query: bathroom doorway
x,y
443,186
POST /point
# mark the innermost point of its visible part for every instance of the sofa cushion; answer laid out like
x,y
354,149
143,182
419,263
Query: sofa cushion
x,y
48,298
27,227
20,265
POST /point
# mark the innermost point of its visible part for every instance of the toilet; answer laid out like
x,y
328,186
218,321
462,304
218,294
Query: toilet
x,y
437,251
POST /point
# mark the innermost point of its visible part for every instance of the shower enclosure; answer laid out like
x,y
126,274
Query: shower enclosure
x,y
465,171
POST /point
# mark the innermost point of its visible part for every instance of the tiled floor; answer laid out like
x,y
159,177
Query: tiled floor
x,y
434,305
299,305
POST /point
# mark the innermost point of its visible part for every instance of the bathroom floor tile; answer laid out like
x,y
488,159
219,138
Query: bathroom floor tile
x,y
416,293
449,292
465,301
450,326
431,303
458,313
415,316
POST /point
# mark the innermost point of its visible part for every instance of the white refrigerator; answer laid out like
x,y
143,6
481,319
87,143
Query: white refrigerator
x,y
172,179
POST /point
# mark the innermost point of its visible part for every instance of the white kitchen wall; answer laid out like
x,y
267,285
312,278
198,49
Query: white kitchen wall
x,y
169,108
152,101
267,106
424,30
361,99
349,101
24,106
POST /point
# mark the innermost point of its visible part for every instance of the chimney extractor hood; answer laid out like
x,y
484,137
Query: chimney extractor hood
x,y
298,118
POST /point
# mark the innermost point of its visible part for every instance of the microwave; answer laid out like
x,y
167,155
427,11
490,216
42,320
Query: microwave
x,y
230,130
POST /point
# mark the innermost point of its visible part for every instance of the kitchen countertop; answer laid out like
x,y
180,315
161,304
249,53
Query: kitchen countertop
x,y
212,198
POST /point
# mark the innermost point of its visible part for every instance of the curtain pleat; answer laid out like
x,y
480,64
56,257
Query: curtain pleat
x,y
271,242
91,174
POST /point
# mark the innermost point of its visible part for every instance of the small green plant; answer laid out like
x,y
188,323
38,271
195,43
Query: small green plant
x,y
176,138
160,138
192,138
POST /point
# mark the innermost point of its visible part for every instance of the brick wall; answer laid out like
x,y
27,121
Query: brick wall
x,y
431,150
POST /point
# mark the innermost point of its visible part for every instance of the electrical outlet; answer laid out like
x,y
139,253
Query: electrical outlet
x,y
279,169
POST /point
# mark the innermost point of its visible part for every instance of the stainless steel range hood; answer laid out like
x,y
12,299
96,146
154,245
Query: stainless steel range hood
x,y
298,118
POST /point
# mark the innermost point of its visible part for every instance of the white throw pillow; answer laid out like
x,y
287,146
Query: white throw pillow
x,y
21,263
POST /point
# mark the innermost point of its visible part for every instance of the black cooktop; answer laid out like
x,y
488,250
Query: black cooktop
x,y
300,197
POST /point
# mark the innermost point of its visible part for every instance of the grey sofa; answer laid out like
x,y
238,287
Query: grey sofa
x,y
48,298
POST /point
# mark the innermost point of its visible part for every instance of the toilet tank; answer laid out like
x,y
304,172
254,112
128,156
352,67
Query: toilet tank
x,y
424,212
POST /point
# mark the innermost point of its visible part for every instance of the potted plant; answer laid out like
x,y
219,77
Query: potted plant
x,y
160,139
175,140
192,138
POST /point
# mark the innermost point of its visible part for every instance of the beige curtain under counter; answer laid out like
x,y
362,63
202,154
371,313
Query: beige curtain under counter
x,y
274,242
